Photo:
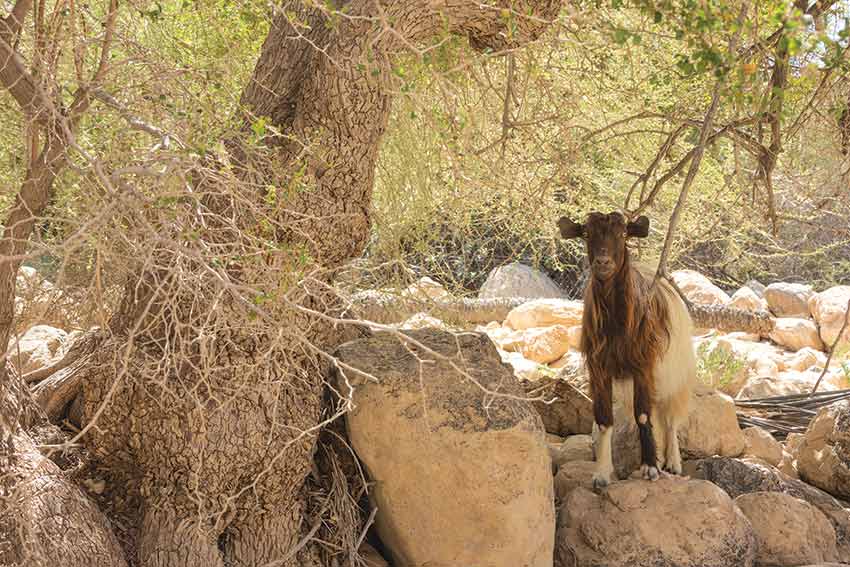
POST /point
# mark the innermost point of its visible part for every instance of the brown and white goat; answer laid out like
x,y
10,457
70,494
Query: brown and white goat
x,y
633,330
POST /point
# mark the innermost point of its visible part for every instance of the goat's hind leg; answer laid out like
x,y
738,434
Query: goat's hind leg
x,y
603,413
659,434
643,415
675,414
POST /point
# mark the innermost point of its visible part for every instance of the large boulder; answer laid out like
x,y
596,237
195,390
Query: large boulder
x,y
789,531
519,280
712,427
823,455
699,289
789,299
746,299
671,522
739,477
545,313
828,309
459,461
795,333
39,347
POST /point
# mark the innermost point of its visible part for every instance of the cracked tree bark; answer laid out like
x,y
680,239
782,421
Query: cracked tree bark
x,y
220,454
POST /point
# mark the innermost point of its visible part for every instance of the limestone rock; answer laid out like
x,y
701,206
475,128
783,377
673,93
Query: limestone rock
x,y
789,531
746,299
461,477
823,456
564,409
574,334
519,280
786,383
788,465
39,347
573,448
523,368
699,289
757,287
674,521
571,475
422,321
571,359
545,313
737,477
795,334
789,299
425,289
712,426
544,345
761,444
744,336
805,358
828,309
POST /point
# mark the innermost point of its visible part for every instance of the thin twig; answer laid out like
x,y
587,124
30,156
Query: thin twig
x,y
832,348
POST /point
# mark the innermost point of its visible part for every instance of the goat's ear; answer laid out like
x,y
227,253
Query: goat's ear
x,y
638,227
570,229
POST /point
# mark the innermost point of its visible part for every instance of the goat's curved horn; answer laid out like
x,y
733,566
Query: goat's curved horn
x,y
570,229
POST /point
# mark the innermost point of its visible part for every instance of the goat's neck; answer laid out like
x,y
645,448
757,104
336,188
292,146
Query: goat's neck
x,y
615,300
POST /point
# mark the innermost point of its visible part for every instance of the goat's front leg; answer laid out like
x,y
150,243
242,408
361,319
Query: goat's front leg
x,y
643,410
603,413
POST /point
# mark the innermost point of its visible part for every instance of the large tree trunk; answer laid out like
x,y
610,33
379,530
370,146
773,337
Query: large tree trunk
x,y
44,518
206,403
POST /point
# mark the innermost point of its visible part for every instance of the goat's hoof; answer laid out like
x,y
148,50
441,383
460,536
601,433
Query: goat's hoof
x,y
600,481
649,473
674,466
674,469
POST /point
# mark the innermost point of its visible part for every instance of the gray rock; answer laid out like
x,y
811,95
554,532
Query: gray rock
x,y
519,280
757,287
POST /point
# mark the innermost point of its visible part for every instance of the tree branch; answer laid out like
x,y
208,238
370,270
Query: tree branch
x,y
697,155
10,26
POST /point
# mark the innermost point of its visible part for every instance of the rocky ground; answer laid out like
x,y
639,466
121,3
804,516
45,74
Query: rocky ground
x,y
480,445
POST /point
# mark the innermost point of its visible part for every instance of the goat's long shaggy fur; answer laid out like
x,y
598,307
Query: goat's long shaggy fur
x,y
635,329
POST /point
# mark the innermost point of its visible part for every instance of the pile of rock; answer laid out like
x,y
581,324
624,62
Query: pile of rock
x,y
467,470
462,475
542,336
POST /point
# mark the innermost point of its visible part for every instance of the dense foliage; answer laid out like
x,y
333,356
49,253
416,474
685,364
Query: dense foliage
x,y
485,150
